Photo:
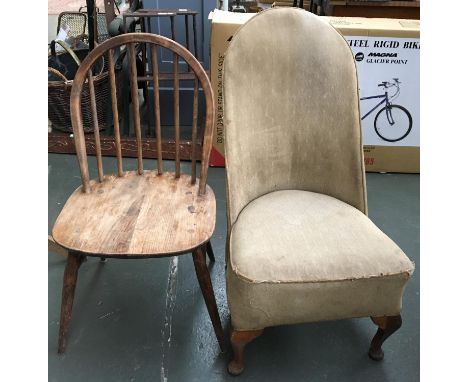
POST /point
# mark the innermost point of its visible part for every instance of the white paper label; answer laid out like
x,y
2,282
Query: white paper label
x,y
384,59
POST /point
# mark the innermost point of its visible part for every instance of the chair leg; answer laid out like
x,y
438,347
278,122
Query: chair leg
x,y
70,275
387,326
209,251
240,338
203,276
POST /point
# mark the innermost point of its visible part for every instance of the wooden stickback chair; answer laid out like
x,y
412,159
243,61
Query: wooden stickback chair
x,y
142,213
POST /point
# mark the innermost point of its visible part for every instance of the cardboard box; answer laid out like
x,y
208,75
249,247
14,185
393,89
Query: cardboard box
x,y
223,26
384,49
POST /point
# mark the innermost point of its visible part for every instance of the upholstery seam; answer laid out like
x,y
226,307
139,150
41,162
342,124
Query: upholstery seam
x,y
235,270
363,169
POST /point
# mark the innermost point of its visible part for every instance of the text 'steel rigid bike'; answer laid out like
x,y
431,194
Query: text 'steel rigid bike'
x,y
393,122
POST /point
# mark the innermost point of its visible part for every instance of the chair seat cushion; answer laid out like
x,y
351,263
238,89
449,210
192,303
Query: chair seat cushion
x,y
300,236
298,256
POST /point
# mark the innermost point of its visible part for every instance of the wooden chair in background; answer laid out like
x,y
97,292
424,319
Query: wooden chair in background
x,y
310,5
142,213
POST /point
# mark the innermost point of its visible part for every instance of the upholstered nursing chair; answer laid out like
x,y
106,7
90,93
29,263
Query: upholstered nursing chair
x,y
300,247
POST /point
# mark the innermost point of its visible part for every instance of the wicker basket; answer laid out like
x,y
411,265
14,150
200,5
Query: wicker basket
x,y
59,101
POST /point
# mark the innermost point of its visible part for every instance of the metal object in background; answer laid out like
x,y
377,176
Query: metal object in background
x,y
77,22
145,16
315,6
238,7
91,10
60,142
62,68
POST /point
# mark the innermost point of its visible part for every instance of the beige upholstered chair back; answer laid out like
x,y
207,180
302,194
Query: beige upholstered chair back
x,y
291,111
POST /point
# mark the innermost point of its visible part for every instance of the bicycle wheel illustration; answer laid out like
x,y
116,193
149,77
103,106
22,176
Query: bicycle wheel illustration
x,y
393,123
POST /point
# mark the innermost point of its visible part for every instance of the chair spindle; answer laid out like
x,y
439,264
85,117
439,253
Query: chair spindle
x,y
97,138
194,24
207,138
187,40
194,129
145,86
157,113
172,27
135,104
115,110
84,82
176,114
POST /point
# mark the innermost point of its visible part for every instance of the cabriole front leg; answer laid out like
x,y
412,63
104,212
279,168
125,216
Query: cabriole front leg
x,y
239,339
387,326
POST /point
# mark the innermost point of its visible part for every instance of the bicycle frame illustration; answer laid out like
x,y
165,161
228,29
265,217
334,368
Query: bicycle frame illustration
x,y
395,124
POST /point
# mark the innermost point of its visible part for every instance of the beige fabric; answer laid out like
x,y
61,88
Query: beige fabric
x,y
301,248
260,305
291,110
301,236
301,256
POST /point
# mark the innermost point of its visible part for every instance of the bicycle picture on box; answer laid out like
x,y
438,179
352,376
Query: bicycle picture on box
x,y
392,122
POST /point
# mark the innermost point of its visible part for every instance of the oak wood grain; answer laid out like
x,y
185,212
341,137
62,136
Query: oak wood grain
x,y
138,216
156,106
176,113
130,39
70,276
115,111
92,100
203,276
194,128
55,248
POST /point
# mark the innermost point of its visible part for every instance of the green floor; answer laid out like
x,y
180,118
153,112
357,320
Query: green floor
x,y
145,320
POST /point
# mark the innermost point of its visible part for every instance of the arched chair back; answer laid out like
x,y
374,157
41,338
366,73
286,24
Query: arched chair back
x,y
84,81
291,110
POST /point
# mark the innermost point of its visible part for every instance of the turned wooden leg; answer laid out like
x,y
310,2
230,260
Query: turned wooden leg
x,y
240,338
70,275
209,251
206,287
387,326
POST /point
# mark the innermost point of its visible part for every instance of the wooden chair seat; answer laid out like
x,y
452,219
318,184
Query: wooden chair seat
x,y
137,216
